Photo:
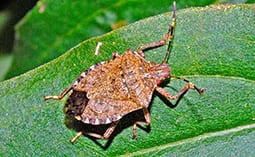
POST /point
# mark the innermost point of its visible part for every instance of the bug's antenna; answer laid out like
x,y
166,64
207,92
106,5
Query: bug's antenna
x,y
170,33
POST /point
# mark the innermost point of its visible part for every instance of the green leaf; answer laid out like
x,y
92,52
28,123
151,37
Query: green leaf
x,y
213,47
224,143
52,27
5,63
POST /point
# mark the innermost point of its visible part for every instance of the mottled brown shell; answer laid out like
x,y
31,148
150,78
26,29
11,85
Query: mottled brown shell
x,y
109,90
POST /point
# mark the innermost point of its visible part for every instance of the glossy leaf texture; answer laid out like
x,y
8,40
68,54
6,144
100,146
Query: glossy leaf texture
x,y
53,27
213,47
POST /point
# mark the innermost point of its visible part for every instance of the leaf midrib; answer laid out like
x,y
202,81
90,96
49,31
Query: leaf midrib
x,y
194,139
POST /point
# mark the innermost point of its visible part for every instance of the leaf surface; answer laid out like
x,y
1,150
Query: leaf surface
x,y
52,27
213,47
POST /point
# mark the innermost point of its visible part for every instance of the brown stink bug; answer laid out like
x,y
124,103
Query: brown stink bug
x,y
107,91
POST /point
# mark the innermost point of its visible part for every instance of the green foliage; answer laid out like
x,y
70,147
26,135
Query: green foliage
x,y
213,46
5,63
53,27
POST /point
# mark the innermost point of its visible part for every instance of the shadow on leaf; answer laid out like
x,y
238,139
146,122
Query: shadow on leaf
x,y
127,121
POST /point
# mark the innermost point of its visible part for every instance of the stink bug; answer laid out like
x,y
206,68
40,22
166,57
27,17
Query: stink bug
x,y
107,91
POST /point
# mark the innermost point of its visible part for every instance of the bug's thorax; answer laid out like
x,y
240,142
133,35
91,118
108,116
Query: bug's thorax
x,y
109,90
160,72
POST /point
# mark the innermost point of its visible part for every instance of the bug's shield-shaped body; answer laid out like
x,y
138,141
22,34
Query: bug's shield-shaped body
x,y
109,90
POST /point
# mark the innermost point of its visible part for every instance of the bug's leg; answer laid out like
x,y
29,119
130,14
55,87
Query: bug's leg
x,y
163,41
199,90
163,92
107,133
76,137
58,97
135,131
188,86
147,122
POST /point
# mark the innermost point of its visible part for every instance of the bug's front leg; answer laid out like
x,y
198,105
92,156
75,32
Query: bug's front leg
x,y
188,86
164,41
199,90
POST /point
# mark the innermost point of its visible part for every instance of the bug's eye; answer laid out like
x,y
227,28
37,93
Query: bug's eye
x,y
158,82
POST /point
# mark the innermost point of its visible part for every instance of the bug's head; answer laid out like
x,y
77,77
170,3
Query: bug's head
x,y
160,72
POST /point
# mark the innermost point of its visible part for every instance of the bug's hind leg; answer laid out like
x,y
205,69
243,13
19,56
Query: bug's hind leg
x,y
67,90
147,122
76,137
58,97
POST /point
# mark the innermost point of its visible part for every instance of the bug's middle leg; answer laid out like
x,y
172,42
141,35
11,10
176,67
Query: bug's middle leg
x,y
147,122
106,135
